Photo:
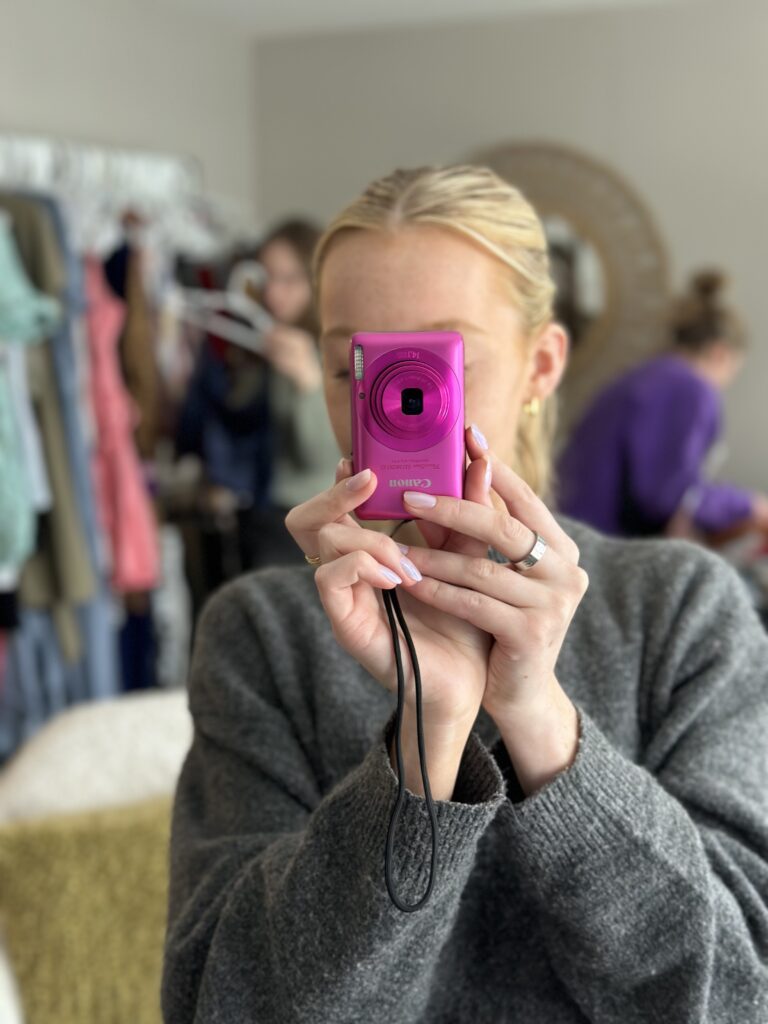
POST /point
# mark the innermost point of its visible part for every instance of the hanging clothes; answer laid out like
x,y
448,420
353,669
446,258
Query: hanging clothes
x,y
60,574
121,495
31,444
137,353
225,420
24,315
65,646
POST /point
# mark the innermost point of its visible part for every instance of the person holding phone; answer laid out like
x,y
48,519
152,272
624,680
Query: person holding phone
x,y
595,709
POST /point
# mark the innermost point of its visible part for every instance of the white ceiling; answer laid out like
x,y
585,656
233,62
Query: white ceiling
x,y
269,18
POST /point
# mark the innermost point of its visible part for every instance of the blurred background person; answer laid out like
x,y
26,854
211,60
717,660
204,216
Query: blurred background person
x,y
638,462
304,449
257,418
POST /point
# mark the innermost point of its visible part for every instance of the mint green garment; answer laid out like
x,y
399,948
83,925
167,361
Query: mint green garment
x,y
26,316
25,313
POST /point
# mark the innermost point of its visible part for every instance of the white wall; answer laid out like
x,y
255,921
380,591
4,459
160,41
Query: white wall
x,y
133,75
674,97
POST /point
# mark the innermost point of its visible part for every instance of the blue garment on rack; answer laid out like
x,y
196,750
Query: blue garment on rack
x,y
38,682
232,437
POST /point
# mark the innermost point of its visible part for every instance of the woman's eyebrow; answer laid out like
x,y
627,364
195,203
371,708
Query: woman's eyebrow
x,y
342,331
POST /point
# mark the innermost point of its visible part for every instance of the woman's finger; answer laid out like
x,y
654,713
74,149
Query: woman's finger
x,y
335,581
336,540
499,619
343,470
477,484
493,527
521,500
305,520
487,577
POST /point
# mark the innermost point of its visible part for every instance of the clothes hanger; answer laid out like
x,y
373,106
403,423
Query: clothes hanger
x,y
207,309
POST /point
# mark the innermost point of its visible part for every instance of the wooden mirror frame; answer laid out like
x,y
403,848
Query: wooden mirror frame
x,y
607,213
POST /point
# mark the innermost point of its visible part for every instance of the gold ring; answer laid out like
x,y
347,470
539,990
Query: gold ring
x,y
313,559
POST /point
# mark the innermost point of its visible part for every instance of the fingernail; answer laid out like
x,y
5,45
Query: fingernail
x,y
390,576
420,500
410,569
488,474
359,480
479,436
403,547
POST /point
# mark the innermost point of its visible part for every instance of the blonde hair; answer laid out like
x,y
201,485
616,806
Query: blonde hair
x,y
477,203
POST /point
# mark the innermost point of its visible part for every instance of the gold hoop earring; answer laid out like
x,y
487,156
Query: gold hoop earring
x,y
533,407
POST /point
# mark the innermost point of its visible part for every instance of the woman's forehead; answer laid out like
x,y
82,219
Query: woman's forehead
x,y
422,275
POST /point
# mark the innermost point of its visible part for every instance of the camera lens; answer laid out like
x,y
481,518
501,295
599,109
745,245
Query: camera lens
x,y
412,401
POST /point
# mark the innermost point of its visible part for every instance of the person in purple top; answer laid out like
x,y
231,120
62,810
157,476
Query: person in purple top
x,y
635,464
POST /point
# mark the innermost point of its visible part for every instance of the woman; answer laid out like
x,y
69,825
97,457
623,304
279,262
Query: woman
x,y
596,755
305,450
635,465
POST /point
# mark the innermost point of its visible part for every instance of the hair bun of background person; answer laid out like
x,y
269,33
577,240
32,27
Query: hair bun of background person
x,y
707,286
700,319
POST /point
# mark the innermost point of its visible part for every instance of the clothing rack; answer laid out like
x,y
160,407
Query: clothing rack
x,y
57,165
98,183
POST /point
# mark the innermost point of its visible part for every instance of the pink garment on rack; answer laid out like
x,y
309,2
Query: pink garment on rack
x,y
121,495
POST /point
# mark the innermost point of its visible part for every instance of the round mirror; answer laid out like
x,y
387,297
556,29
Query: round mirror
x,y
581,300
608,261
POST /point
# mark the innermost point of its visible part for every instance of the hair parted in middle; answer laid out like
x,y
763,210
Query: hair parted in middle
x,y
477,203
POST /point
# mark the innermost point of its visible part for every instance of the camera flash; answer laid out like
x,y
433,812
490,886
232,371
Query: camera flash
x,y
358,362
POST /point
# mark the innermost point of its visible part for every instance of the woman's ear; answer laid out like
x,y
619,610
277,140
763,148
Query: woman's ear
x,y
547,361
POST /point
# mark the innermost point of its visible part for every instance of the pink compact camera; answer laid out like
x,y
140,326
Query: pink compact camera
x,y
407,399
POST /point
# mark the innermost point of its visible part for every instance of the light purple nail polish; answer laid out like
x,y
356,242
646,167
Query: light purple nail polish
x,y
410,569
418,499
488,474
479,436
388,575
403,547
359,480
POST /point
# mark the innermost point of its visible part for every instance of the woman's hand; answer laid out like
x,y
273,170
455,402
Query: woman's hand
x,y
356,562
453,654
526,614
293,352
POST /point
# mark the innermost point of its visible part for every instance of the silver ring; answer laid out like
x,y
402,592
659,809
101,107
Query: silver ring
x,y
533,557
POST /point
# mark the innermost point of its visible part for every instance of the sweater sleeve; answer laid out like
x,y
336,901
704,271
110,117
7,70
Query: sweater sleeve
x,y
651,879
303,416
719,505
667,448
278,909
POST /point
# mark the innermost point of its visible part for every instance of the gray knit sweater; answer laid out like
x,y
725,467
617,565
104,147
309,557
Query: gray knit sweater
x,y
631,888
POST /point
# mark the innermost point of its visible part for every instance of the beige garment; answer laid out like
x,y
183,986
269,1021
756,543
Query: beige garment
x,y
37,243
59,574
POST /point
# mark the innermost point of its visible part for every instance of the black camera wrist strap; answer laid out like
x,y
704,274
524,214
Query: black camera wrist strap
x,y
394,612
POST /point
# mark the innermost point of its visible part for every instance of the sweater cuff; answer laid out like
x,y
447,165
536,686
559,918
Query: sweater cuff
x,y
478,795
583,814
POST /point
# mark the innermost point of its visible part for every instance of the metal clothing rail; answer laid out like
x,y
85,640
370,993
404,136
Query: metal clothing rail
x,y
97,184
135,176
